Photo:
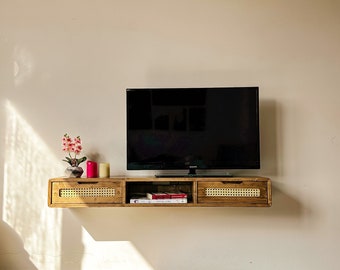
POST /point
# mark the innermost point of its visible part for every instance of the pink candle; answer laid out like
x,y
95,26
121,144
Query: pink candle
x,y
91,169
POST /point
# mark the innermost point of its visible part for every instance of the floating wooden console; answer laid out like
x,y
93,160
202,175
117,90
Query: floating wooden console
x,y
119,191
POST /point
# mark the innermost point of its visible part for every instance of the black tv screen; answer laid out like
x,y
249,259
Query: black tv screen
x,y
193,128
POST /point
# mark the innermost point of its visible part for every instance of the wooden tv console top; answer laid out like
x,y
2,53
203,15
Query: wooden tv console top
x,y
131,191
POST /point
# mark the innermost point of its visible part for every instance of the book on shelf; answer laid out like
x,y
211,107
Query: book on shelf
x,y
177,195
159,195
147,200
166,195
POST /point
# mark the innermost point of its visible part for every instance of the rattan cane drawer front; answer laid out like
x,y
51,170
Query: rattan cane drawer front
x,y
233,192
74,192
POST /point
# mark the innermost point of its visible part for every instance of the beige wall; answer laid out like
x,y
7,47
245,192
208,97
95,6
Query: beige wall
x,y
64,67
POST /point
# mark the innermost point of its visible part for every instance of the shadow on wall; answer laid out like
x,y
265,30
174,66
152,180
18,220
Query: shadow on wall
x,y
284,204
177,231
12,253
46,238
269,127
24,207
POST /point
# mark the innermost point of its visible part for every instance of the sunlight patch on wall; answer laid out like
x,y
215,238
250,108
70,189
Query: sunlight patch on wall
x,y
28,165
120,255
23,65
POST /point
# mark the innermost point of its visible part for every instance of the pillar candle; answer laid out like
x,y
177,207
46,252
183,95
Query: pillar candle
x,y
104,170
91,169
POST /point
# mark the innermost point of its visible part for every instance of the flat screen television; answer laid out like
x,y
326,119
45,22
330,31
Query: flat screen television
x,y
193,128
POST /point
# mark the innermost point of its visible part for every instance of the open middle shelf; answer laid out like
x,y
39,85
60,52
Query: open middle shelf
x,y
169,192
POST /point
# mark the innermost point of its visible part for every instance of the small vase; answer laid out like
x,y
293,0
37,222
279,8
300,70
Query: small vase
x,y
73,171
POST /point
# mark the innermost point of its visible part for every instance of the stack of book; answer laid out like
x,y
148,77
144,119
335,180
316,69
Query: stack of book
x,y
166,197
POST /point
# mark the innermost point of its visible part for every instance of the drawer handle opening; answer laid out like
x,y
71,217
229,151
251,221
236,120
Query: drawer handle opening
x,y
232,182
84,183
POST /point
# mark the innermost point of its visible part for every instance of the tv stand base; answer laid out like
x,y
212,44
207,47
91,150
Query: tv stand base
x,y
200,191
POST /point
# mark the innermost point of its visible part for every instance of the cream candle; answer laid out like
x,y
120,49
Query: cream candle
x,y
104,170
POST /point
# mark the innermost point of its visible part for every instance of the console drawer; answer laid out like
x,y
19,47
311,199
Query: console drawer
x,y
237,193
82,193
